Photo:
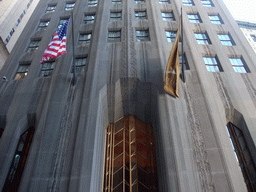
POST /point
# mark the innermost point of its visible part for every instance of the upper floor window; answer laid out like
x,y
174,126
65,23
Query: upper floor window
x,y
142,35
188,2
167,16
207,3
50,8
80,64
253,37
215,19
43,24
114,35
202,38
89,18
140,15
194,18
139,1
115,15
92,3
212,64
33,45
85,38
164,1
116,1
22,71
226,39
69,6
170,35
62,22
238,65
47,68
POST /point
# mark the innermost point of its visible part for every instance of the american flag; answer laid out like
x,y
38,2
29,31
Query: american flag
x,y
58,44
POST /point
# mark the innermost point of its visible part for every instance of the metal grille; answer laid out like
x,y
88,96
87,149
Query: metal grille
x,y
130,164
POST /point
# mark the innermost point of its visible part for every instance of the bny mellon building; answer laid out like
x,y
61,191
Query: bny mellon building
x,y
116,129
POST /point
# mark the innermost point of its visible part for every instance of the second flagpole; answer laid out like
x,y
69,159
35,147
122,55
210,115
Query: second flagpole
x,y
73,47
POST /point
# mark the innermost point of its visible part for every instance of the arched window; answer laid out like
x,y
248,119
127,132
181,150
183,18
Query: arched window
x,y
243,155
18,162
130,163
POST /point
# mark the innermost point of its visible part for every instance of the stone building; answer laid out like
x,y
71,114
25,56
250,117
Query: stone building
x,y
115,128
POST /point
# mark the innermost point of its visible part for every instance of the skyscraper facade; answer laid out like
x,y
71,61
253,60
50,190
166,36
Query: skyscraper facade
x,y
113,127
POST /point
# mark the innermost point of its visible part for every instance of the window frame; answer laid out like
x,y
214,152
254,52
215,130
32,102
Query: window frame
x,y
218,21
117,1
89,21
204,40
50,10
48,70
141,38
166,17
114,38
188,2
228,41
240,66
196,19
185,63
115,15
170,35
62,21
80,66
69,6
206,4
33,47
43,27
211,66
22,73
164,1
139,17
87,40
92,3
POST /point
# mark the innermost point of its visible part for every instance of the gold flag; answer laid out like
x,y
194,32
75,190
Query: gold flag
x,y
173,69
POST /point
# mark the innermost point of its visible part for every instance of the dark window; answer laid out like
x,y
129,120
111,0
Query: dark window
x,y
140,15
85,38
62,22
50,8
243,155
80,64
47,68
212,64
253,37
114,35
22,71
89,18
116,1
33,45
69,6
92,3
42,25
115,16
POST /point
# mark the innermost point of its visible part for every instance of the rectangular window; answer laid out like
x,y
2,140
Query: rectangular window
x,y
238,65
69,6
33,45
164,1
202,38
47,68
89,18
140,15
170,35
142,35
80,64
167,16
253,37
92,3
115,16
188,2
207,3
42,25
116,1
50,8
185,62
85,38
62,21
215,19
114,36
22,71
212,64
226,39
139,1
194,18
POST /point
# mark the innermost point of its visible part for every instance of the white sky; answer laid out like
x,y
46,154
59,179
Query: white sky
x,y
244,10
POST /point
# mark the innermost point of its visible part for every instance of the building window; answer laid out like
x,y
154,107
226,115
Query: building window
x,y
188,2
115,16
194,18
89,18
253,37
22,71
170,35
19,160
62,22
47,68
140,15
85,38
42,25
243,154
80,64
69,6
215,19
238,65
142,35
33,45
207,3
164,1
116,1
202,38
139,1
50,8
130,159
168,16
212,64
226,39
92,3
114,35
185,62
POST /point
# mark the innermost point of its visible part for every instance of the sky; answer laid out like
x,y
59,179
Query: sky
x,y
244,10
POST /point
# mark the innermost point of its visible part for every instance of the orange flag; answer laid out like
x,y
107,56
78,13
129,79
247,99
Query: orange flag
x,y
173,69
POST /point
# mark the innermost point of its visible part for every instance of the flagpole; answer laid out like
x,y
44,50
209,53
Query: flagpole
x,y
73,45
182,52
